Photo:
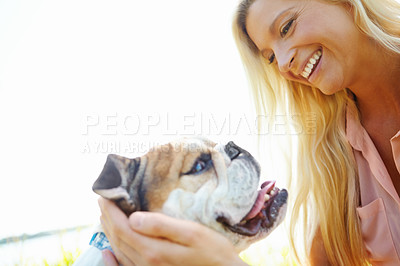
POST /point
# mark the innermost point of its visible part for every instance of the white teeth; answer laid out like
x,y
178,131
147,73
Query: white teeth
x,y
311,63
272,192
243,222
266,197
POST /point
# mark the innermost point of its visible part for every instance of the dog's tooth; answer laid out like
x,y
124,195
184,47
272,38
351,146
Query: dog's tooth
x,y
272,192
313,61
243,222
273,213
266,197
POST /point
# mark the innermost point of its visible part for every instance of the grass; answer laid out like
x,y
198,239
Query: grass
x,y
52,248
67,259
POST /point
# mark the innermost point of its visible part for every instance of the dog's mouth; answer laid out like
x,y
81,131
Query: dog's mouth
x,y
264,212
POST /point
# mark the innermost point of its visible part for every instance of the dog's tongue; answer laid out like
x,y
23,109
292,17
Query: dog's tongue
x,y
266,187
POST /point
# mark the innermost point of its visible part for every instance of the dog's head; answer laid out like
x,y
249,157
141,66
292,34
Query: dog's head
x,y
198,180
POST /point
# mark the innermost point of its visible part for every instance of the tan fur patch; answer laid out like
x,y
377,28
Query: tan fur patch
x,y
165,172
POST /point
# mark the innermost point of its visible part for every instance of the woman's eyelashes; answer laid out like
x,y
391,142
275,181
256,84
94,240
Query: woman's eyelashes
x,y
282,32
285,29
271,58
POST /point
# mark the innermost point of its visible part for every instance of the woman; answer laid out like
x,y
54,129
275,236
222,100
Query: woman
x,y
338,60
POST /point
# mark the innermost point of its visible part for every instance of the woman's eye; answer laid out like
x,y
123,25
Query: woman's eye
x,y
286,28
271,58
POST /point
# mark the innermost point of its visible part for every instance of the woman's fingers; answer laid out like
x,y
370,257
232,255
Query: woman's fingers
x,y
116,227
148,238
115,222
168,241
126,243
159,225
109,258
121,249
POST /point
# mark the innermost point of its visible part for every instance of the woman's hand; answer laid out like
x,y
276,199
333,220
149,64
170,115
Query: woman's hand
x,y
109,258
155,239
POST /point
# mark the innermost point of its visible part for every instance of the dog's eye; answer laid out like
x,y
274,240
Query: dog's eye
x,y
201,164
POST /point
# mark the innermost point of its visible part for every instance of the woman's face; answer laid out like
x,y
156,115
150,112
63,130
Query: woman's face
x,y
310,41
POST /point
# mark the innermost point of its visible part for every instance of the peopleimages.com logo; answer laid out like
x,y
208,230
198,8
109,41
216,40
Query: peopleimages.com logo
x,y
136,133
201,124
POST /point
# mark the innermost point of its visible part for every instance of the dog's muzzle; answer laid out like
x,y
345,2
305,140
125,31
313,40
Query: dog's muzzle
x,y
266,209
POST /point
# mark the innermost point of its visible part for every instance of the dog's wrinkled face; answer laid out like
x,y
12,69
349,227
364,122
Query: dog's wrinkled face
x,y
198,180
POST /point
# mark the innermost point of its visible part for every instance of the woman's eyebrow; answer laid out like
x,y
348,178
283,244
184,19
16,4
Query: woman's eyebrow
x,y
272,26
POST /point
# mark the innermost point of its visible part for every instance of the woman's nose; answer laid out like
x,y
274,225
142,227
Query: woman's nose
x,y
285,60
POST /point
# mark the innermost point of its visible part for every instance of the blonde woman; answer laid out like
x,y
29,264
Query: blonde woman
x,y
341,61
338,60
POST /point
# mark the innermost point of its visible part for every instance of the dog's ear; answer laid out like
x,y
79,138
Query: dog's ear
x,y
119,182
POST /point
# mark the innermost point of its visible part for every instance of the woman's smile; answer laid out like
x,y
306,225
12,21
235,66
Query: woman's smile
x,y
311,64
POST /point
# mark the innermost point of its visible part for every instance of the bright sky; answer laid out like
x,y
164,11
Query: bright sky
x,y
80,79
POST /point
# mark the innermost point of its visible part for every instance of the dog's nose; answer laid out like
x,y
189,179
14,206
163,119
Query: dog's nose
x,y
232,150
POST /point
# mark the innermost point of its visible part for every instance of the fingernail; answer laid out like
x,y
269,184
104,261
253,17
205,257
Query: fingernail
x,y
105,255
136,219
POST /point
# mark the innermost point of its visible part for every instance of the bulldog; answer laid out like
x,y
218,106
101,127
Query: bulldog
x,y
199,180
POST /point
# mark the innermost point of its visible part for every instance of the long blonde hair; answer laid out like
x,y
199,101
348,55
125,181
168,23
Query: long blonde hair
x,y
327,195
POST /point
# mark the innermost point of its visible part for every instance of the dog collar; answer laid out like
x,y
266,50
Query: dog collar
x,y
100,241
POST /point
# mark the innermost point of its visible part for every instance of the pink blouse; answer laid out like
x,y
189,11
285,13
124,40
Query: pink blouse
x,y
380,204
